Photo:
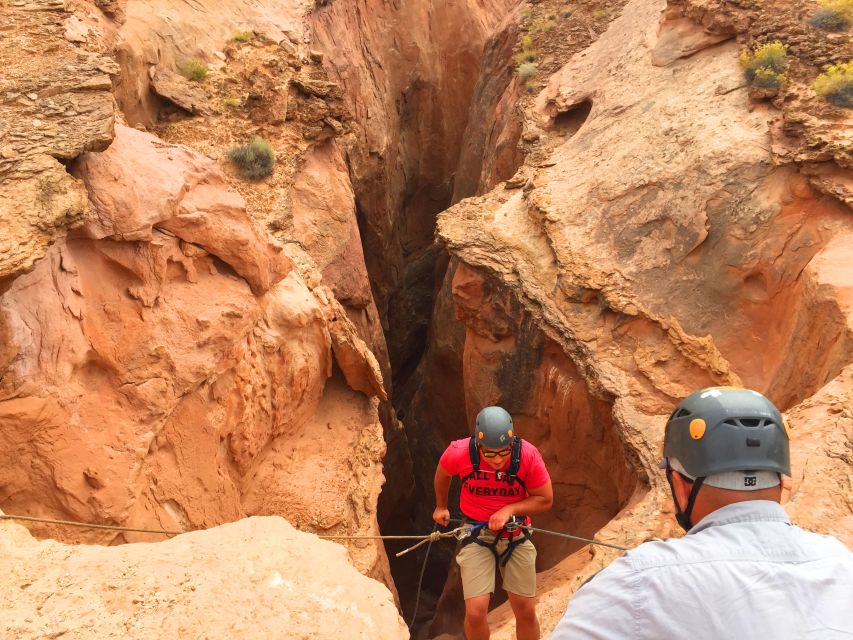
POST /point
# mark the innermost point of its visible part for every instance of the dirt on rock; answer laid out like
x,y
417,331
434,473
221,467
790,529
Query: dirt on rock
x,y
252,579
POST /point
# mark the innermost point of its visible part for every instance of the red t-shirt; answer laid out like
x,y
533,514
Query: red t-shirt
x,y
485,493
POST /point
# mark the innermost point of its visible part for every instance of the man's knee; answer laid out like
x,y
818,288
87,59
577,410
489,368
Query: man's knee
x,y
477,608
523,608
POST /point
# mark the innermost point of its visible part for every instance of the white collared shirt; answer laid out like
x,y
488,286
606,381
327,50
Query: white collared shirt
x,y
743,572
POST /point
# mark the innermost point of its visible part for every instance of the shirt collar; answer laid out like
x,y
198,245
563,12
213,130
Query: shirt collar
x,y
749,511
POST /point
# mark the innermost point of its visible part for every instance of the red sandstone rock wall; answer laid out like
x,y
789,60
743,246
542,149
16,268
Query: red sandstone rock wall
x,y
409,72
192,355
653,247
167,366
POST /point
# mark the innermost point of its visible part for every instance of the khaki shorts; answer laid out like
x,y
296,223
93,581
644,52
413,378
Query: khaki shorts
x,y
477,565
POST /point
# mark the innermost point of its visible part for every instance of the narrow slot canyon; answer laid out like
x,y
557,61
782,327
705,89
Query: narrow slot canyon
x,y
580,214
442,144
459,339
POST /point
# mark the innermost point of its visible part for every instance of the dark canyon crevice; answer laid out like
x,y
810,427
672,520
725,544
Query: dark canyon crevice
x,y
434,103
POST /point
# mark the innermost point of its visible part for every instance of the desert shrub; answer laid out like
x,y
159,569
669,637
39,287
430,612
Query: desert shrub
x,y
195,70
242,36
527,53
769,79
835,84
526,70
834,15
255,160
231,102
765,65
542,25
598,14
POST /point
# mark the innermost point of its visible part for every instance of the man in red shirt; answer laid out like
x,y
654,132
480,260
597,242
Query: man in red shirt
x,y
502,476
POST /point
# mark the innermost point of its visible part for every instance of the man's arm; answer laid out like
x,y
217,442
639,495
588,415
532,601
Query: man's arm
x,y
539,500
603,608
441,484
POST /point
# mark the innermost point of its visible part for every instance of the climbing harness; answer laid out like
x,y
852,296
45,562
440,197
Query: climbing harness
x,y
517,534
479,525
514,531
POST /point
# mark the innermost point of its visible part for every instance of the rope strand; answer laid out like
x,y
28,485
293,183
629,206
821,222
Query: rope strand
x,y
85,525
435,535
423,539
578,538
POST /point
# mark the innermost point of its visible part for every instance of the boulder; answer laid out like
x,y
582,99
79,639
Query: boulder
x,y
255,578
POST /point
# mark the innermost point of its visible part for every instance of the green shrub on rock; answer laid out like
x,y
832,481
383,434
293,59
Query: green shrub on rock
x,y
527,52
239,35
768,79
834,15
255,160
195,70
835,85
765,66
526,70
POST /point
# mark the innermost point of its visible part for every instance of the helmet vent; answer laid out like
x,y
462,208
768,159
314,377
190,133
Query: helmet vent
x,y
682,413
747,422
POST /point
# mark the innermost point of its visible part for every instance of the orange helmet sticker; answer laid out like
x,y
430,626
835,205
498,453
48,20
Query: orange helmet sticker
x,y
787,429
697,428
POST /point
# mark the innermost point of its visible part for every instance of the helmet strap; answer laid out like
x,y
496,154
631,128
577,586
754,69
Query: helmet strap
x,y
683,517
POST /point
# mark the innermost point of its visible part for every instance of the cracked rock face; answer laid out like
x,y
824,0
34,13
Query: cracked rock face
x,y
55,103
662,249
166,366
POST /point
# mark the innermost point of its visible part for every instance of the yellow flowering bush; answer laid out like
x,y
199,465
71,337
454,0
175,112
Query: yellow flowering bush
x,y
835,84
765,66
834,15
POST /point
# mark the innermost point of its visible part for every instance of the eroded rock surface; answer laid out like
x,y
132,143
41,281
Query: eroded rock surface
x,y
250,579
161,364
408,73
206,348
657,249
55,104
168,35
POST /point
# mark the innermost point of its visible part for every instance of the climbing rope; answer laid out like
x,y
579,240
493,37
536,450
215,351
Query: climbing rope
x,y
464,530
85,525
423,539
578,538
432,538
459,532
512,526
428,538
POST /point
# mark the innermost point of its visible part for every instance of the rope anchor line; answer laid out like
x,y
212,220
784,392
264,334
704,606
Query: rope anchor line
x,y
459,532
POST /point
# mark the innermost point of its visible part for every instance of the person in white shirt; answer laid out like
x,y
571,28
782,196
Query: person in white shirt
x,y
743,570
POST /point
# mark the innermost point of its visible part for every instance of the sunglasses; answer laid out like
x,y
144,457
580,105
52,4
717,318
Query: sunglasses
x,y
495,454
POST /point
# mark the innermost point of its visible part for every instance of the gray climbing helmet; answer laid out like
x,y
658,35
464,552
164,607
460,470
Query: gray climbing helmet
x,y
493,428
722,429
